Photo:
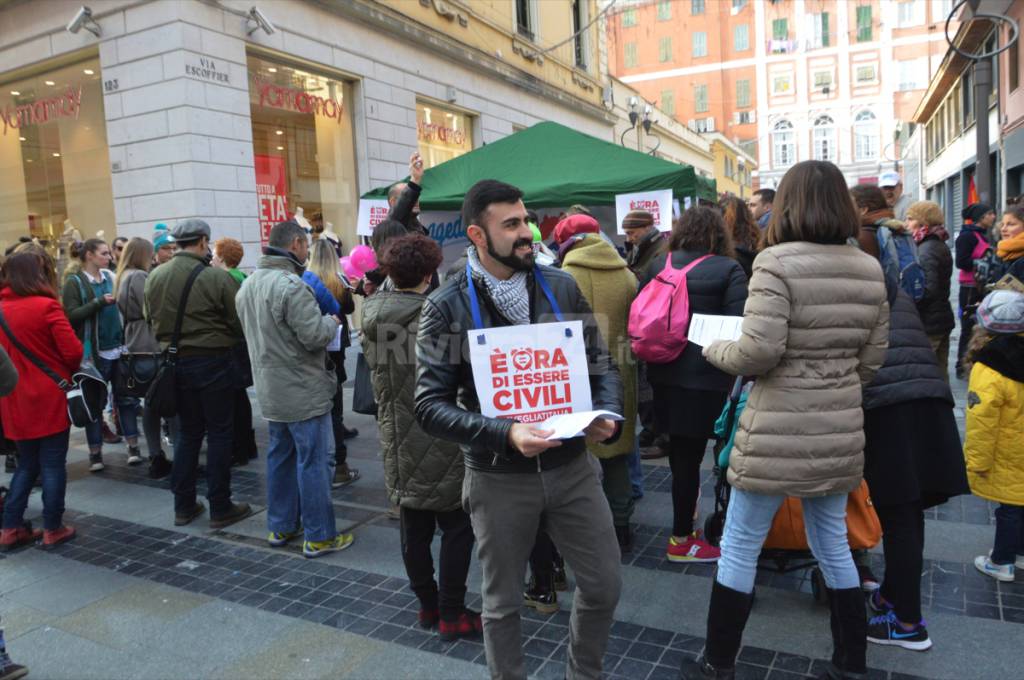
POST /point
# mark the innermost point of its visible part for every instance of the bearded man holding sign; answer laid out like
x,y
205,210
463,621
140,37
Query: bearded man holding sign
x,y
499,350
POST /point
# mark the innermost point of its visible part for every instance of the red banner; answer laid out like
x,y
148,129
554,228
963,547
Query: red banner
x,y
272,192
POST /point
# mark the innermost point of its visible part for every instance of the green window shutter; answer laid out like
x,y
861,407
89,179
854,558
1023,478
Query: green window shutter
x,y
824,29
780,29
864,23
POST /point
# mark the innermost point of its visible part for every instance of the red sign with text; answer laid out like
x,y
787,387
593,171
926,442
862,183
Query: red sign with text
x,y
272,193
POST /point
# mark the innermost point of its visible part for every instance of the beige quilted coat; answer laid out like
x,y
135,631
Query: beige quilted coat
x,y
815,330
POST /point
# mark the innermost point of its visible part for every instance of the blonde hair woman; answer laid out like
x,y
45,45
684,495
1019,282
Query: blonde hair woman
x,y
323,274
132,271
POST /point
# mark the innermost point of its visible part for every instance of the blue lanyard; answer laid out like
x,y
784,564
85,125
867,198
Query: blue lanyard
x,y
474,301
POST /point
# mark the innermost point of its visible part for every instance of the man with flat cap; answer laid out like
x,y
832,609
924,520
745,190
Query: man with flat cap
x,y
205,374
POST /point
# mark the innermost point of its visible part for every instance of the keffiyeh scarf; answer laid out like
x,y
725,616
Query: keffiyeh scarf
x,y
510,296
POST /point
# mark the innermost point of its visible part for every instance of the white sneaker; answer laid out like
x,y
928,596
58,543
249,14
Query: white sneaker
x,y
1000,572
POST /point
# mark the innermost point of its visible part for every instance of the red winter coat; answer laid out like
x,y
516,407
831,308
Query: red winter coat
x,y
37,407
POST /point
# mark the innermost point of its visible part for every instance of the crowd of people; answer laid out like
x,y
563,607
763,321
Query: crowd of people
x,y
844,349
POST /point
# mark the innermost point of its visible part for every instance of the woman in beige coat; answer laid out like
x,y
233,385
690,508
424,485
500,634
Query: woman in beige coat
x,y
815,330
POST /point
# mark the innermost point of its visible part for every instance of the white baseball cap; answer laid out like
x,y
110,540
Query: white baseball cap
x,y
889,179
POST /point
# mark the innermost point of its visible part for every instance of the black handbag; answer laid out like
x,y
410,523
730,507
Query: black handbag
x,y
86,391
135,373
162,396
363,400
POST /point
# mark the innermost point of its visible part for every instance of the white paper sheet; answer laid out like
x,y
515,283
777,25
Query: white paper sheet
x,y
569,425
706,328
335,345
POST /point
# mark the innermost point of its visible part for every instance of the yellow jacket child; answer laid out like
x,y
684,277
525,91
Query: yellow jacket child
x,y
994,447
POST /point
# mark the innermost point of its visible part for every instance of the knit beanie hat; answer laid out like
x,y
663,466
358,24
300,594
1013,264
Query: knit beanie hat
x,y
636,219
975,211
1002,312
162,236
926,212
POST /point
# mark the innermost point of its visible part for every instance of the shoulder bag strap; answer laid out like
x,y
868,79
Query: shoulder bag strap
x,y
172,349
61,382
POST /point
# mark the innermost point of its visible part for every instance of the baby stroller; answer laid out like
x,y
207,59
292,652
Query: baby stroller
x,y
785,549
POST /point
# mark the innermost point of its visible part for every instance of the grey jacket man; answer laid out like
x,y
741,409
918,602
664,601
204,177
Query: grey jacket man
x,y
287,338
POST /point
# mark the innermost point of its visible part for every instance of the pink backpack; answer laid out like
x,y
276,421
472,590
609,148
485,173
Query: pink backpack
x,y
660,315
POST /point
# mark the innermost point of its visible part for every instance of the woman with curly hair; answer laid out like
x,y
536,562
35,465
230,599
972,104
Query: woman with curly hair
x,y
744,230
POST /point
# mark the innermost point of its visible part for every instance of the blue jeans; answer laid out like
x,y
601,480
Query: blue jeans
x,y
48,456
127,409
1009,534
299,477
205,390
748,520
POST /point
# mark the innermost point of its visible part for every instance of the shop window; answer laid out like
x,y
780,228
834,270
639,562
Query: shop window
x,y
54,158
443,133
303,146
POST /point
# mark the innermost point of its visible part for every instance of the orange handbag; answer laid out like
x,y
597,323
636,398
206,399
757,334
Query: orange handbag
x,y
862,525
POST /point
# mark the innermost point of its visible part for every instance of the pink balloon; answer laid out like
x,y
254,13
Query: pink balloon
x,y
349,269
362,259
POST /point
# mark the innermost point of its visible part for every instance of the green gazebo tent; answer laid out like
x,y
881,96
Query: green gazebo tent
x,y
556,166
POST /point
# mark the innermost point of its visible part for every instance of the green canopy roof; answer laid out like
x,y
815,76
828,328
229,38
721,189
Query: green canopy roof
x,y
556,166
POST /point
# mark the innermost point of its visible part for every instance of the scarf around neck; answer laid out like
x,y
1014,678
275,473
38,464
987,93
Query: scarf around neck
x,y
937,231
1012,248
510,296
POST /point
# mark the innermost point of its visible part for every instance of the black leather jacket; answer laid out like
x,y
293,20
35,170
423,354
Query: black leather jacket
x,y
446,399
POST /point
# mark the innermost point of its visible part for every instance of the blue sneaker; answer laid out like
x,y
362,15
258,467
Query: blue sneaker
x,y
886,630
276,539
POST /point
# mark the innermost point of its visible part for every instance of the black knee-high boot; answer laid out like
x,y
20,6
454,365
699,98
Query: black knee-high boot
x,y
848,618
727,617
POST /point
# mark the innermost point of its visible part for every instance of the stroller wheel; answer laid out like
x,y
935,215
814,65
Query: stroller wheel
x,y
714,525
818,588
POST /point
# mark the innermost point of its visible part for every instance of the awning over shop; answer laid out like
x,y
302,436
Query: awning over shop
x,y
557,166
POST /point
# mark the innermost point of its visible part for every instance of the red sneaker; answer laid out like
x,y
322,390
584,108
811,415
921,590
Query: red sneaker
x,y
57,536
692,549
13,538
468,625
428,618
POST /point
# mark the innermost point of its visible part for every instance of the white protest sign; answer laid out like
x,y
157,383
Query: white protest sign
x,y
372,211
658,203
530,373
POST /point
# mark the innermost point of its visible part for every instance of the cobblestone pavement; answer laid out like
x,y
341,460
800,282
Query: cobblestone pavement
x,y
135,597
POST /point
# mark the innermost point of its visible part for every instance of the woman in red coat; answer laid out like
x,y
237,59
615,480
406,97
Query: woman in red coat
x,y
35,414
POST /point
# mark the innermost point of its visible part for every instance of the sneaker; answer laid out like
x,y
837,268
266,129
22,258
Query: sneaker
x,y
428,618
15,538
886,630
692,549
95,462
313,549
878,603
544,601
10,670
350,432
159,466
52,537
109,437
343,476
468,625
236,512
134,455
1000,572
181,519
277,539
